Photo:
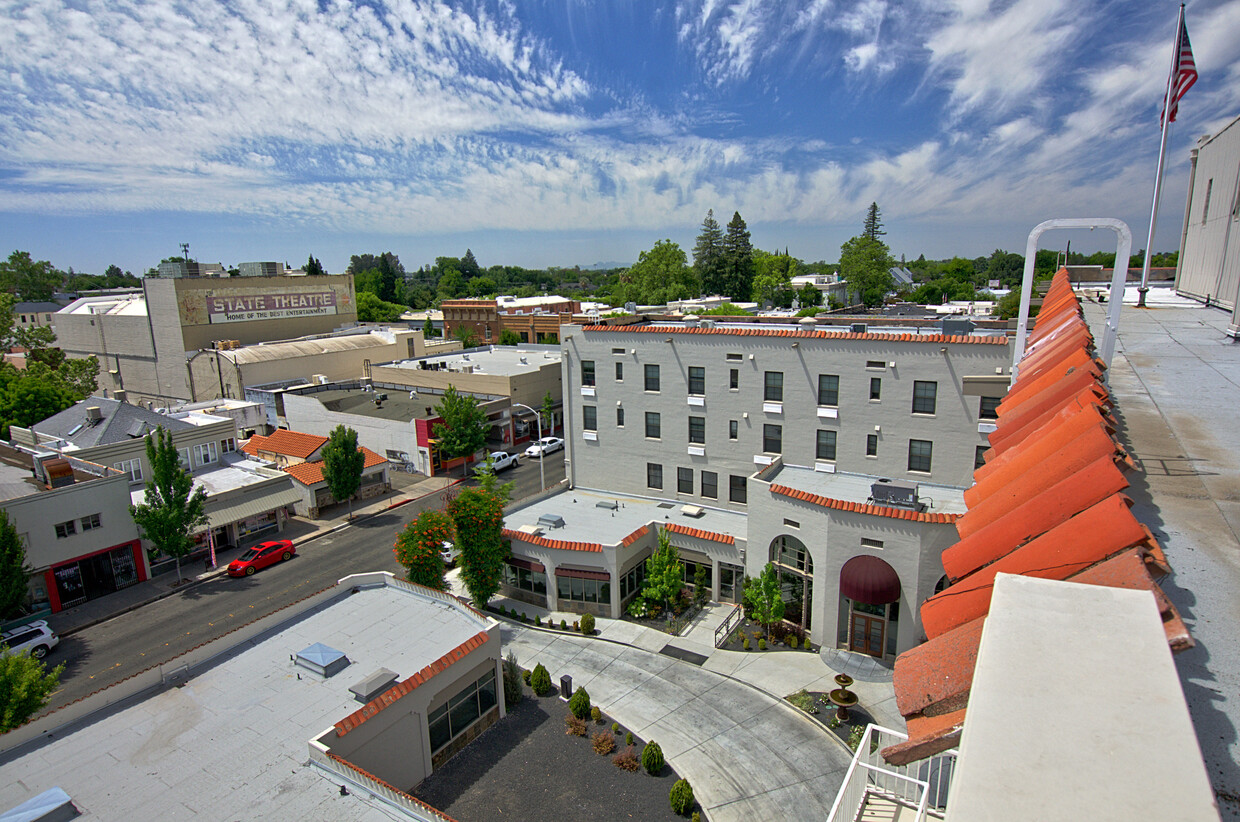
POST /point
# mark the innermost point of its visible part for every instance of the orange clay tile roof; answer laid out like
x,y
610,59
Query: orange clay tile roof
x,y
289,443
1047,503
400,689
635,536
937,339
562,545
700,534
311,473
861,507
254,444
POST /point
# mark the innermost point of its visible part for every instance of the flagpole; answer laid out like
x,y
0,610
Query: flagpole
x,y
1162,153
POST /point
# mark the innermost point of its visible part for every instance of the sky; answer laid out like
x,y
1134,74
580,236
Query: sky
x,y
571,132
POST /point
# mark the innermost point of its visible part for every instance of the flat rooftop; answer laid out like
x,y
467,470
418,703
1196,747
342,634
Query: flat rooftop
x,y
232,743
235,470
584,521
121,305
399,405
499,360
938,499
873,325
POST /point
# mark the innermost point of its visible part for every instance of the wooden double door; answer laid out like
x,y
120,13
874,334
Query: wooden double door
x,y
867,634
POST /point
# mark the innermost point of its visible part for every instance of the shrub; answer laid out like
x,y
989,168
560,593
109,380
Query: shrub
x,y
854,736
576,625
540,680
652,758
803,699
587,624
697,817
615,727
596,714
574,726
627,760
745,642
761,644
628,738
512,680
538,620
563,625
681,797
525,675
604,743
779,630
579,703
792,642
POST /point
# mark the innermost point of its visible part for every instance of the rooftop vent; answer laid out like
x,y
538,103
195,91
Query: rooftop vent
x,y
607,503
957,326
807,322
531,530
59,472
373,685
93,414
692,320
692,510
894,493
551,521
321,659
857,328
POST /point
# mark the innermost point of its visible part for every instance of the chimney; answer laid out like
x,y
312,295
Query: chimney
x,y
120,395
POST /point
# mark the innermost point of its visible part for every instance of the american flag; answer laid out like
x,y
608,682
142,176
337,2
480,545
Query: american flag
x,y
1183,74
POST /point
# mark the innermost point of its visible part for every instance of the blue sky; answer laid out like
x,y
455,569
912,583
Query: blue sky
x,y
569,132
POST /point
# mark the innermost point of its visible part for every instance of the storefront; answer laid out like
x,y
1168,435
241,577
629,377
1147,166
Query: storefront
x,y
95,575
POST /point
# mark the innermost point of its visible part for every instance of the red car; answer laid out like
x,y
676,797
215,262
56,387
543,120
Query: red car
x,y
260,556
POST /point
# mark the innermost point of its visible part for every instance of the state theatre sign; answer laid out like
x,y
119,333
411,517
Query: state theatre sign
x,y
245,308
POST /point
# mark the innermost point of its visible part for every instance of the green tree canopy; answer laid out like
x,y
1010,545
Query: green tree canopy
x,y
479,520
488,481
467,337
708,255
343,462
738,266
25,685
726,309
660,275
31,280
509,337
173,509
469,266
865,264
14,573
371,309
765,599
809,296
314,268
464,428
772,281
664,575
418,546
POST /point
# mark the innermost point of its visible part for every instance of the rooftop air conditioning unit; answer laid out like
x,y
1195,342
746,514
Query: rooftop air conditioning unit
x,y
895,493
93,413
694,511
319,379
857,328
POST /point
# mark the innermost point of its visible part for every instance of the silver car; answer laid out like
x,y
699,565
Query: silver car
x,y
36,638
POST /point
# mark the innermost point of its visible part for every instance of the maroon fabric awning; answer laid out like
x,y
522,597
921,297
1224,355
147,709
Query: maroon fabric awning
x,y
578,574
870,580
528,565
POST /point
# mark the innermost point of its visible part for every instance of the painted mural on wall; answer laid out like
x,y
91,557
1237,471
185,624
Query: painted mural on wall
x,y
240,304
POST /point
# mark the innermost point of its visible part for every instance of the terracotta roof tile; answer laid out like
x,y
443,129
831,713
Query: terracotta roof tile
x,y
311,473
937,675
253,445
635,536
1029,431
293,443
861,507
700,534
936,339
560,544
927,736
1060,428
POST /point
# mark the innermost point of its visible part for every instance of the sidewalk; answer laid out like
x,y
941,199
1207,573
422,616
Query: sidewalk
x,y
405,488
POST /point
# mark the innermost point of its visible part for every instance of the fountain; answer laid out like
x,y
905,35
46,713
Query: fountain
x,y
841,697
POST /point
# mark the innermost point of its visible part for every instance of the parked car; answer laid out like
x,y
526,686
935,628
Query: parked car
x,y
260,556
35,638
449,554
546,445
499,461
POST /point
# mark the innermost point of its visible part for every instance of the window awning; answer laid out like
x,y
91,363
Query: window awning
x,y
870,580
576,574
252,507
527,564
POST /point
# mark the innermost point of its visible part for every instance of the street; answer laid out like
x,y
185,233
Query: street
x,y
118,648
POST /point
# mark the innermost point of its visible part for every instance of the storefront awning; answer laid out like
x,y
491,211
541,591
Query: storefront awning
x,y
251,507
870,580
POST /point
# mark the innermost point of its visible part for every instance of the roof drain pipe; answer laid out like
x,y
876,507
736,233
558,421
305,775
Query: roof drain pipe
x,y
1119,276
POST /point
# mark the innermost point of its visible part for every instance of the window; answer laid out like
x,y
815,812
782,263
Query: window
x,y
733,429
583,590
684,480
989,409
697,380
919,452
618,351
871,445
772,438
619,417
735,357
877,544
925,394
587,372
450,720
774,386
875,364
619,372
697,430
526,580
205,453
1205,209
632,581
979,456
185,462
689,570
734,379
652,378
66,529
828,389
90,523
736,488
653,426
228,446
876,388
131,467
826,445
589,417
654,475
710,485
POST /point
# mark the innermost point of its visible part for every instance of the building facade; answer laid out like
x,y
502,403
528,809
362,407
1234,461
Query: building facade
x,y
1209,262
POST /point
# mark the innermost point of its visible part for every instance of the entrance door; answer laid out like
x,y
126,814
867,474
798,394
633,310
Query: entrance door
x,y
865,634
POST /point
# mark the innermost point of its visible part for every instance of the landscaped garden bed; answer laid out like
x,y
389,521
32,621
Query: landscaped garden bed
x,y
784,637
818,705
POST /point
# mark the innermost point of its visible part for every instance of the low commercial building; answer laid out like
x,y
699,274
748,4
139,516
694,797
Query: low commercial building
x,y
301,457
532,319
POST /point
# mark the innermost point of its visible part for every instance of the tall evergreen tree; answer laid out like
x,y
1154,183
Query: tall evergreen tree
x,y
14,573
314,268
173,508
469,265
738,265
708,255
873,223
343,463
387,278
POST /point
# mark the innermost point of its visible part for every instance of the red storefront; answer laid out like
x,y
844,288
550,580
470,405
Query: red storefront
x,y
94,575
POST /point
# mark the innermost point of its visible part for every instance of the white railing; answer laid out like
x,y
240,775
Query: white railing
x,y
341,769
921,785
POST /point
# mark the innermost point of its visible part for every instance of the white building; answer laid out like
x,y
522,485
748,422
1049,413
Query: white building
x,y
1209,262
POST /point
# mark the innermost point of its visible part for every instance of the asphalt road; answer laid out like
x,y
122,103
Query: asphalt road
x,y
106,653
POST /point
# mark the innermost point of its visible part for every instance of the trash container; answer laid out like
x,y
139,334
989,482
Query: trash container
x,y
566,686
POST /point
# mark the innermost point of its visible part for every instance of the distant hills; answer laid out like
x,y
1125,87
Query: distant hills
x,y
600,266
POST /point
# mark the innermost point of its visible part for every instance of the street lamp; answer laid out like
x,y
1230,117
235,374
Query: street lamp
x,y
542,477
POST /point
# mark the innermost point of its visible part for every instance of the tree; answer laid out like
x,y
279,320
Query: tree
x,y
548,412
865,265
14,573
479,520
772,281
664,577
708,255
660,275
873,228
388,275
428,328
509,337
809,296
466,336
738,268
25,685
765,600
343,462
172,508
727,309
371,309
418,548
314,268
464,427
489,481
32,281
469,266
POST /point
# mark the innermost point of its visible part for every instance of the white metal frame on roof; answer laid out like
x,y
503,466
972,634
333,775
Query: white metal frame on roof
x,y
1122,252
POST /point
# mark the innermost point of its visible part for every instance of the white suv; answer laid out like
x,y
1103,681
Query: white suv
x,y
35,637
